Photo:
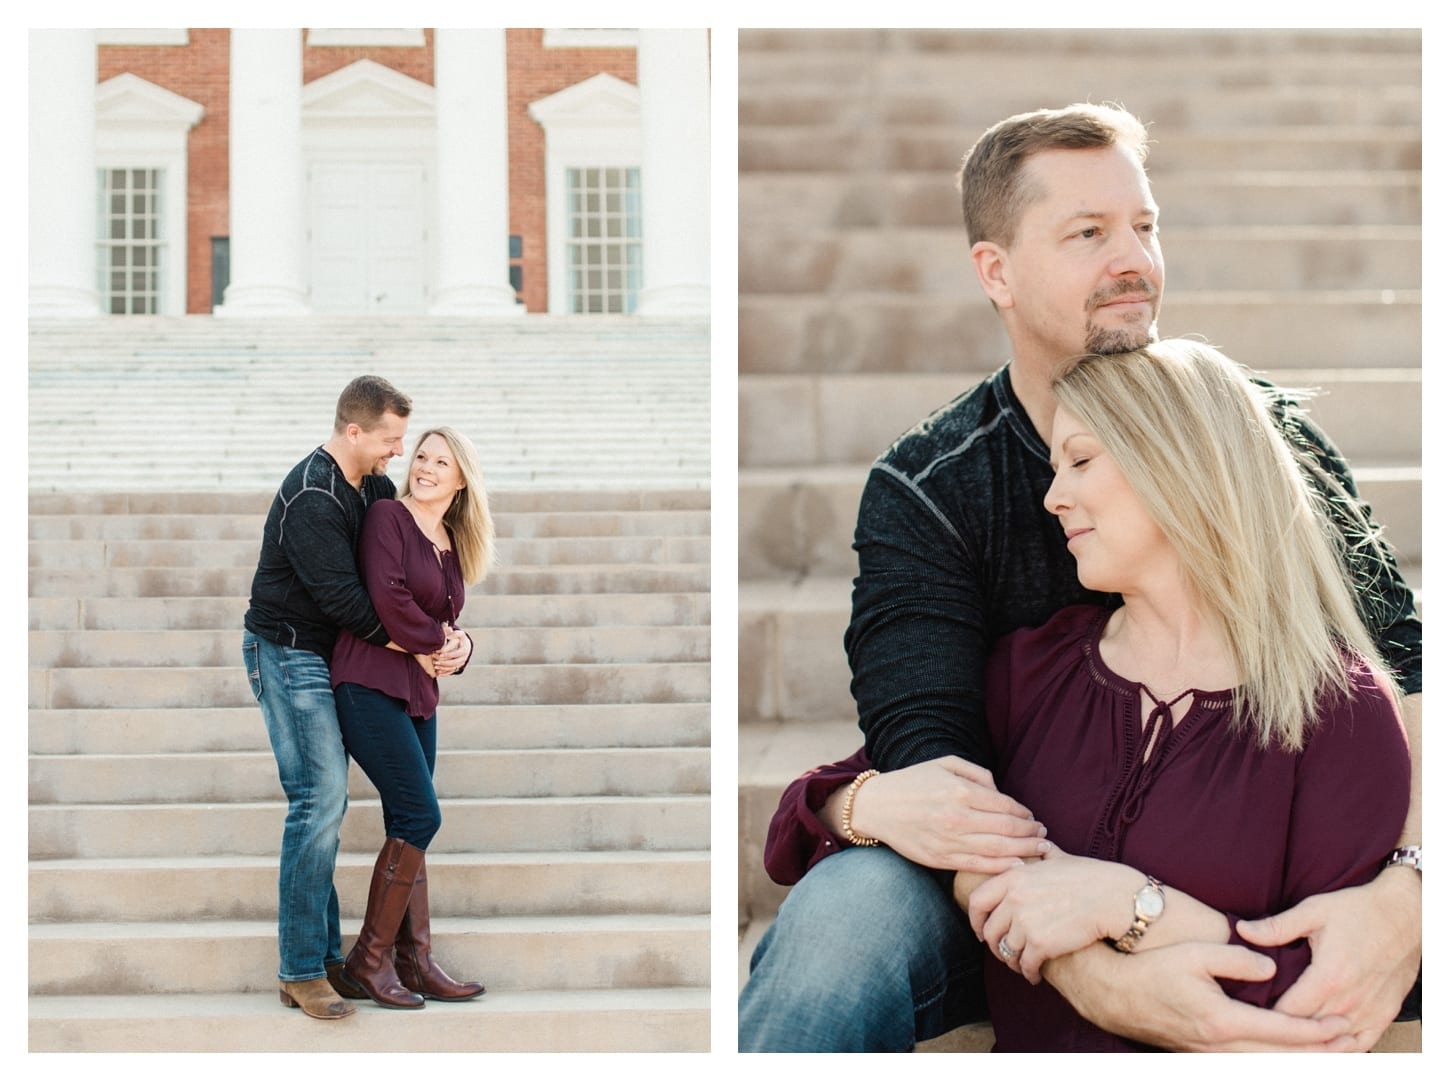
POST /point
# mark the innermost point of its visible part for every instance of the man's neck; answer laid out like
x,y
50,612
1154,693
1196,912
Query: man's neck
x,y
1032,383
338,450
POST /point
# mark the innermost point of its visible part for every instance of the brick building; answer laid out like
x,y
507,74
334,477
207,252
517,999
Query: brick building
x,y
453,172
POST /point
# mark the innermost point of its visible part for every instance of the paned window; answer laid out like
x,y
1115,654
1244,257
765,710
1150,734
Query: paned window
x,y
605,262
131,247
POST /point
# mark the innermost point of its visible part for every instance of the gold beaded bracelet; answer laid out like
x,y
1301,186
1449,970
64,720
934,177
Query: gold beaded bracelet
x,y
846,830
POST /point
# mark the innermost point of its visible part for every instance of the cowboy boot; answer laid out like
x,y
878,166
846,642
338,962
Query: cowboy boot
x,y
344,984
370,961
414,960
315,999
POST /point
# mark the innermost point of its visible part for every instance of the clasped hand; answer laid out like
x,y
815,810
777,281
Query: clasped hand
x,y
1054,906
450,657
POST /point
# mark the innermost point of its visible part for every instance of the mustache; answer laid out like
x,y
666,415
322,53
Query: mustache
x,y
1110,293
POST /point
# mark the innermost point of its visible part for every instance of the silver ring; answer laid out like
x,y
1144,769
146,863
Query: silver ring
x,y
1006,950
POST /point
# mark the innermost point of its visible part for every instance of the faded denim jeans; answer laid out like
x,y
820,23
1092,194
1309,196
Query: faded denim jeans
x,y
295,692
868,953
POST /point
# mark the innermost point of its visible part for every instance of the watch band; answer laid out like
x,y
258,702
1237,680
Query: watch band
x,y
1148,904
1408,856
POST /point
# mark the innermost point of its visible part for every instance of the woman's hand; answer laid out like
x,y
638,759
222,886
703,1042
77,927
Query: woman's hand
x,y
1052,907
427,662
457,648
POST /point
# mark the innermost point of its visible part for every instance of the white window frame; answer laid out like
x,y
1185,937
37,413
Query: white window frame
x,y
157,264
140,125
622,242
592,124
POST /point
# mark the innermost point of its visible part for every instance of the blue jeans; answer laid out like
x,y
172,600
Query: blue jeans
x,y
295,693
397,753
868,953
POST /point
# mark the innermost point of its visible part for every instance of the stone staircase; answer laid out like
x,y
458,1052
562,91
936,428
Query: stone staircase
x,y
572,872
1287,165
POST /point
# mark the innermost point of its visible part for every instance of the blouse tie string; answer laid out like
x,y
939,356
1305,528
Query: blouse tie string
x,y
1155,732
1145,768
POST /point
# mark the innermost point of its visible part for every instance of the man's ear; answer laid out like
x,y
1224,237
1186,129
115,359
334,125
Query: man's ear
x,y
990,261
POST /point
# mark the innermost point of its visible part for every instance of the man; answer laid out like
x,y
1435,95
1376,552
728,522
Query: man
x,y
307,587
869,951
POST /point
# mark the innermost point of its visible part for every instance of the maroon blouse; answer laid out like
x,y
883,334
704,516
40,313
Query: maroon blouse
x,y
1249,832
415,589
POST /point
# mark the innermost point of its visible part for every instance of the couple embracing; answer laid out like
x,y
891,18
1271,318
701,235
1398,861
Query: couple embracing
x,y
352,619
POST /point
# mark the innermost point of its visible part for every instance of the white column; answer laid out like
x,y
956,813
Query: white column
x,y
470,77
674,106
63,174
267,182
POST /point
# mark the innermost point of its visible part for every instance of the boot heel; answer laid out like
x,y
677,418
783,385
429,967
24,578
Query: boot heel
x,y
287,1000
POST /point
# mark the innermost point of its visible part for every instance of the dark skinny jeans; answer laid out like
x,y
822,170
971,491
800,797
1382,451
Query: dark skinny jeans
x,y
397,752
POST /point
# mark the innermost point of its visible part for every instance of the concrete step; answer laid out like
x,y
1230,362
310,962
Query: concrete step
x,y
1373,414
800,521
517,953
600,644
194,729
791,659
929,199
655,1019
934,261
170,688
611,405
1291,49
237,581
766,147
256,501
474,884
568,824
247,776
248,526
547,552
883,333
770,757
226,613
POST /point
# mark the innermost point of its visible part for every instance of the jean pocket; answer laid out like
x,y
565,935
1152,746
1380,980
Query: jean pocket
x,y
254,668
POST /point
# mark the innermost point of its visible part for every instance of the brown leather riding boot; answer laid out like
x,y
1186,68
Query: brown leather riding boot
x,y
414,960
315,999
370,962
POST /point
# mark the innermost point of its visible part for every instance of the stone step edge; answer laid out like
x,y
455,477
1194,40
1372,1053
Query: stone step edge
x,y
362,859
450,926
453,801
54,1007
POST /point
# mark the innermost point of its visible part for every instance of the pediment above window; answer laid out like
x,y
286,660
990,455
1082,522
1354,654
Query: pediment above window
x,y
602,100
131,100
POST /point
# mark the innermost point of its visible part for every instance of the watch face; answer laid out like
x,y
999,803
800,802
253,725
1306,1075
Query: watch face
x,y
1150,902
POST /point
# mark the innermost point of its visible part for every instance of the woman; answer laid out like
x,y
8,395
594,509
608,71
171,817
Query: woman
x,y
416,553
1222,745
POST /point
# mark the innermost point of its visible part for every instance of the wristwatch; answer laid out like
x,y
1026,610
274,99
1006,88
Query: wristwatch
x,y
1148,905
1409,856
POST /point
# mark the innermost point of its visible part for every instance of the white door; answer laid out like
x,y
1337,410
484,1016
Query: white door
x,y
368,237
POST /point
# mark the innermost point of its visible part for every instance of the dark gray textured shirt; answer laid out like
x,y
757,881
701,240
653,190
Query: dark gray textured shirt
x,y
307,584
956,549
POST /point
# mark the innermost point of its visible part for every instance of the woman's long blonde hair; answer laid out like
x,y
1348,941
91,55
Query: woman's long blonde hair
x,y
1197,441
467,517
